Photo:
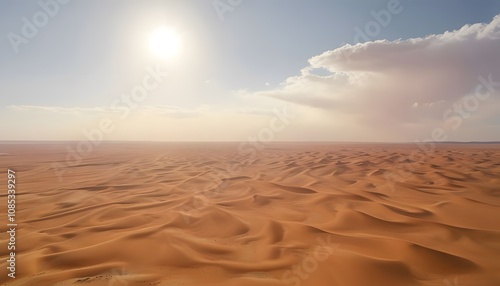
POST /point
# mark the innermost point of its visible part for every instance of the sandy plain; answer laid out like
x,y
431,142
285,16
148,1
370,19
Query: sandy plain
x,y
289,214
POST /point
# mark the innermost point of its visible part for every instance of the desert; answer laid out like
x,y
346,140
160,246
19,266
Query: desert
x,y
142,213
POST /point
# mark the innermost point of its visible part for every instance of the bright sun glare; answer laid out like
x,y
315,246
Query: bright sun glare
x,y
165,42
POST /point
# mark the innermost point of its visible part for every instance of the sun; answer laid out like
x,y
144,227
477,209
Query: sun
x,y
164,42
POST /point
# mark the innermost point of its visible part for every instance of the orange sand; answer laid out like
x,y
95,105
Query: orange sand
x,y
294,214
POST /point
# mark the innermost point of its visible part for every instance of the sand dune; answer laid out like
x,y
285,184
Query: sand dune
x,y
295,214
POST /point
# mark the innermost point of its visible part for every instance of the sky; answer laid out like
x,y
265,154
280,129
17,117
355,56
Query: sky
x,y
236,70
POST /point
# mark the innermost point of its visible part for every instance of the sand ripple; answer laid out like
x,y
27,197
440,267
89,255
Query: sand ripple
x,y
298,214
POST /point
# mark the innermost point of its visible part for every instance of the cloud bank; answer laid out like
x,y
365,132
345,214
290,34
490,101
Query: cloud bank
x,y
404,83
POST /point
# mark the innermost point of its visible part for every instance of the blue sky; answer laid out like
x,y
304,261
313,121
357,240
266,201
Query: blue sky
x,y
231,73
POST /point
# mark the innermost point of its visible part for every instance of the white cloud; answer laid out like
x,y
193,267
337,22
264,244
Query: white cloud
x,y
402,83
56,108
162,110
167,110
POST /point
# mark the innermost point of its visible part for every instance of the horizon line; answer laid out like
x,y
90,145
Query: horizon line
x,y
266,142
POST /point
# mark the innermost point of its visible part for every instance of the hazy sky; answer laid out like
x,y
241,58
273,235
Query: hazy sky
x,y
284,70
